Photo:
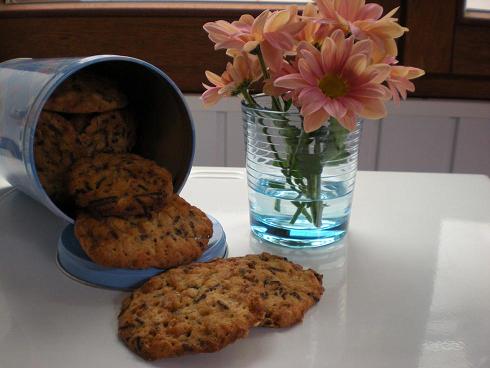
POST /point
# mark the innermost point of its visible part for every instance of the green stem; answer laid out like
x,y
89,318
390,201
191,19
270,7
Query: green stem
x,y
277,205
250,101
275,101
315,183
298,212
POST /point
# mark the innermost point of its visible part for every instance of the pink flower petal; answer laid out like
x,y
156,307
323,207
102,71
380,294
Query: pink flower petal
x,y
355,65
337,36
339,108
328,55
348,122
291,81
250,45
334,108
311,94
351,104
214,78
280,40
210,97
369,91
373,108
363,47
349,9
229,44
415,73
293,28
259,23
313,63
314,121
378,73
344,50
394,93
370,12
277,20
306,72
312,106
326,9
391,13
272,56
305,46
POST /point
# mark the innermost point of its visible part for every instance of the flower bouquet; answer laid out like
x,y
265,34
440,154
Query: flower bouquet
x,y
318,71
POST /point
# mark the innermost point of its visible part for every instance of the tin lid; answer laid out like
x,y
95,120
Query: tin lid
x,y
74,263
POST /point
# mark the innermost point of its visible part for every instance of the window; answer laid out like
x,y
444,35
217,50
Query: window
x,y
477,9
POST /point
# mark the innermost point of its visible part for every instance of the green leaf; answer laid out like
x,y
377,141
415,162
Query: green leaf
x,y
338,132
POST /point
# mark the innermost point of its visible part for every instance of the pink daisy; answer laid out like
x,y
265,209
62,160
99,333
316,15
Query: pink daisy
x,y
237,76
399,81
339,81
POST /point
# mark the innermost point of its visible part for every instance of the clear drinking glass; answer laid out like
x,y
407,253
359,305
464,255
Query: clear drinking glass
x,y
300,184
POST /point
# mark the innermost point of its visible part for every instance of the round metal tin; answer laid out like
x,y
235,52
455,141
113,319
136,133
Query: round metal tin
x,y
73,261
165,128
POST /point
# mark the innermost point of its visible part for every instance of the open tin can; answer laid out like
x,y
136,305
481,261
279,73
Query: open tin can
x,y
165,127
165,134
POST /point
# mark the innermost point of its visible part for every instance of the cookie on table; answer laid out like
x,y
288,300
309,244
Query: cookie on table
x,y
174,235
109,132
286,289
200,307
55,150
189,309
86,92
119,184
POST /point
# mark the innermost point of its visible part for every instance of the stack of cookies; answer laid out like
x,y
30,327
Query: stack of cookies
x,y
131,218
203,307
127,213
86,115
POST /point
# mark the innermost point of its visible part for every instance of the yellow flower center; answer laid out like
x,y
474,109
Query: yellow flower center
x,y
333,86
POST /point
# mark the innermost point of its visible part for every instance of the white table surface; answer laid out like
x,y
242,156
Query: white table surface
x,y
410,287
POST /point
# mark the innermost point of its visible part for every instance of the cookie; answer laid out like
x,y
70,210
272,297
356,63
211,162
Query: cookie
x,y
184,309
188,310
55,149
119,185
86,92
286,289
109,132
79,121
174,235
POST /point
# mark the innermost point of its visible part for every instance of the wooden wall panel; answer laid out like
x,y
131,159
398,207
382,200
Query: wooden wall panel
x,y
429,43
184,53
452,86
472,50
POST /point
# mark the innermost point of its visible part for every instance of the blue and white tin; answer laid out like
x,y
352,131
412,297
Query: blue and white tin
x,y
165,127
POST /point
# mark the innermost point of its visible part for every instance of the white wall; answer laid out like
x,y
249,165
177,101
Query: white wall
x,y
418,135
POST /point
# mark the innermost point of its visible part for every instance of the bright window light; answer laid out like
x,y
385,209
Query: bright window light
x,y
478,5
477,9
